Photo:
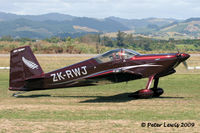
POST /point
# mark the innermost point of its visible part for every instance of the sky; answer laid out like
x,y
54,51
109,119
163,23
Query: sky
x,y
131,9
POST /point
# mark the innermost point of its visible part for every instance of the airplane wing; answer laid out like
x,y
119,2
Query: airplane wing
x,y
114,75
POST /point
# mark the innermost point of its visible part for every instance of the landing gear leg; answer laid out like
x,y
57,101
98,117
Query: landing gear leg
x,y
157,91
149,82
155,86
144,93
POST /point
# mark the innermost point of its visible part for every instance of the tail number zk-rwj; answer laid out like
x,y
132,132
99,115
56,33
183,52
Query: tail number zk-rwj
x,y
76,72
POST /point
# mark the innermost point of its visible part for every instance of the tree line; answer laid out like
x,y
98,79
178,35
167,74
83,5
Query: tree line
x,y
122,40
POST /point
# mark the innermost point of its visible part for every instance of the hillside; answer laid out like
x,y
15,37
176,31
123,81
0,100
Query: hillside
x,y
190,27
49,16
55,24
147,24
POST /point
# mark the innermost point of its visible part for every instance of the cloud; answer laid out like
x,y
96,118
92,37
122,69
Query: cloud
x,y
105,8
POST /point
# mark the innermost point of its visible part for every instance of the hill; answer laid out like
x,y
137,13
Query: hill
x,y
189,27
42,26
44,17
148,23
55,24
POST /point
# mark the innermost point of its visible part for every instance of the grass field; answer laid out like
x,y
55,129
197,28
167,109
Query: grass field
x,y
104,108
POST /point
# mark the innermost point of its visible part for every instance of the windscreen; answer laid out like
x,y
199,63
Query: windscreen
x,y
116,54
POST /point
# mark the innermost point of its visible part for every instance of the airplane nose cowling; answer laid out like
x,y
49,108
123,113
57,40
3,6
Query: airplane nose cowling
x,y
181,58
184,56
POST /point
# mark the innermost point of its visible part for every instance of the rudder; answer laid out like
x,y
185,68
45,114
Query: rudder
x,y
23,66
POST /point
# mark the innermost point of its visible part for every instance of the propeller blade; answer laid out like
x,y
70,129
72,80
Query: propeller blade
x,y
185,64
177,50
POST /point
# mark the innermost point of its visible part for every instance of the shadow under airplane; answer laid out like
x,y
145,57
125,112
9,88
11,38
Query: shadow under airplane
x,y
123,97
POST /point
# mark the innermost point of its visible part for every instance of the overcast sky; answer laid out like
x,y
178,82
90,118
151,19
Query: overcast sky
x,y
180,9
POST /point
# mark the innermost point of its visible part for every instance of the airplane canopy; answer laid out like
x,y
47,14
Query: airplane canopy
x,y
115,55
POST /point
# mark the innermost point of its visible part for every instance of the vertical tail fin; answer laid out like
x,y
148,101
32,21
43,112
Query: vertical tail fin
x,y
23,66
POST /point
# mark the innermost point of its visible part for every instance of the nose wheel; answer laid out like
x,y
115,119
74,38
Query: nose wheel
x,y
149,92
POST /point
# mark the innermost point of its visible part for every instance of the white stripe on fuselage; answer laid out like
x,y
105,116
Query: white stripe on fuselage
x,y
144,65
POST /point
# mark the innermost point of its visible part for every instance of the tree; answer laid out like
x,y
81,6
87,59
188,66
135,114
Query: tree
x,y
53,39
120,39
69,39
128,40
98,43
6,38
106,41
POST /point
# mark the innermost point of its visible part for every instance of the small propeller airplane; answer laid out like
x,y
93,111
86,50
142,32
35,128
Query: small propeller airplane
x,y
114,66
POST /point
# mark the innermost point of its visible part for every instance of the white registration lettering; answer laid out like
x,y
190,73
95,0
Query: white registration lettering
x,y
18,50
59,75
84,72
54,77
69,73
76,72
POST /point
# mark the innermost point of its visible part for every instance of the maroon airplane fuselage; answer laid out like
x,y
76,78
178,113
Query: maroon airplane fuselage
x,y
114,66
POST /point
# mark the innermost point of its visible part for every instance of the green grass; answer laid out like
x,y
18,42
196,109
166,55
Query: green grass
x,y
99,104
105,108
66,115
184,47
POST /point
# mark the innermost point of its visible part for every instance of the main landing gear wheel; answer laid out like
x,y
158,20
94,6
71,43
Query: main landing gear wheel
x,y
149,92
157,92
